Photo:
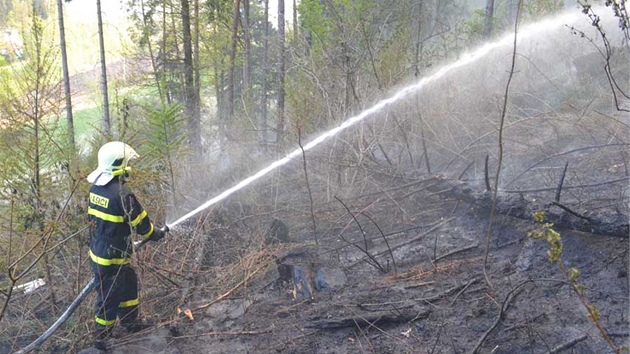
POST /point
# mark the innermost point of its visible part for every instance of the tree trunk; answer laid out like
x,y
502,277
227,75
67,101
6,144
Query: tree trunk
x,y
219,83
418,40
38,114
66,80
295,22
281,72
106,121
235,18
197,70
162,55
247,53
154,67
172,63
194,136
265,70
487,27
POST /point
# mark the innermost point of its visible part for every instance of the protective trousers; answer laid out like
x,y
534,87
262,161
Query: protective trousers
x,y
117,297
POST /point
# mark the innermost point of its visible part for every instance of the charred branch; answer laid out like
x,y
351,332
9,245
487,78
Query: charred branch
x,y
559,189
369,320
568,345
606,224
486,175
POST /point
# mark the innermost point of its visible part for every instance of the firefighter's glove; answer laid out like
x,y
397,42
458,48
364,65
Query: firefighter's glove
x,y
157,235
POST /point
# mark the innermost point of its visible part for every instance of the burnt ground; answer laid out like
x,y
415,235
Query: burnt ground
x,y
430,297
393,257
400,253
397,266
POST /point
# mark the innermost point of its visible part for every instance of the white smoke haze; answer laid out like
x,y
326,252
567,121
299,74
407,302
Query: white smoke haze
x,y
559,100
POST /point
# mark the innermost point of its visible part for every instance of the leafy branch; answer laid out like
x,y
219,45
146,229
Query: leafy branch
x,y
546,231
619,10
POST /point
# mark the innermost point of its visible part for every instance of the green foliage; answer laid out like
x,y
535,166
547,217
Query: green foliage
x,y
164,137
28,100
312,20
165,130
545,230
536,9
33,165
574,273
473,26
5,8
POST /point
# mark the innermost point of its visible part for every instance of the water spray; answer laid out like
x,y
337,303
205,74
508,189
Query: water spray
x,y
466,59
527,31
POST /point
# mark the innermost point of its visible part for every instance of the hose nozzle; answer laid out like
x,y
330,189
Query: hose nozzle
x,y
165,228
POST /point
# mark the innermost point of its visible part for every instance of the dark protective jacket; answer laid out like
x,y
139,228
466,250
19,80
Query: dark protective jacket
x,y
113,211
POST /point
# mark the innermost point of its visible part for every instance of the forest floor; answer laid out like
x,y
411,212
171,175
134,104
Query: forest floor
x,y
430,296
396,266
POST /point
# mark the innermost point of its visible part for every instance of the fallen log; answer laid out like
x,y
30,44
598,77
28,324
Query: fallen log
x,y
517,205
368,320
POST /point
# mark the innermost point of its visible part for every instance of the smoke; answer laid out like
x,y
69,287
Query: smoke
x,y
455,110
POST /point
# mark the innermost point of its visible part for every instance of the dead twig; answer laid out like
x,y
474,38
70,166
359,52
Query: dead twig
x,y
435,227
463,249
275,348
567,187
524,324
373,325
562,154
308,187
365,306
404,135
486,174
424,145
618,334
437,339
362,321
461,175
447,292
500,145
237,333
471,282
420,236
412,286
566,208
559,189
229,292
372,258
568,344
391,254
404,186
504,306
364,335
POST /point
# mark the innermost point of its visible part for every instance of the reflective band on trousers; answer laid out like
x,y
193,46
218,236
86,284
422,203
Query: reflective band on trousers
x,y
108,262
105,216
103,322
129,303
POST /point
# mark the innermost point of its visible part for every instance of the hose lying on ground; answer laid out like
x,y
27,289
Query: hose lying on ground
x,y
70,310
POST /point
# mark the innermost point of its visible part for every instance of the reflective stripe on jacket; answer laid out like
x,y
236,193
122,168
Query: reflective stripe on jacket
x,y
113,210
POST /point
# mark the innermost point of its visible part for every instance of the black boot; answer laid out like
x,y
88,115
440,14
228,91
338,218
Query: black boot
x,y
101,335
136,327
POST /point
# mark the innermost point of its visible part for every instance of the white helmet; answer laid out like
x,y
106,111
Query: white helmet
x,y
113,158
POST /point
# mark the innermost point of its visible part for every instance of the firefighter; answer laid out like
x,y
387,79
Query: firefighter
x,y
113,212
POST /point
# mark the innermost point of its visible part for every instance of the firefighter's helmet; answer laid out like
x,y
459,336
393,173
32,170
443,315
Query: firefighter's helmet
x,y
113,160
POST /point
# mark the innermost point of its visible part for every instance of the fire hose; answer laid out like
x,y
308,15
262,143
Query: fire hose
x,y
73,306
